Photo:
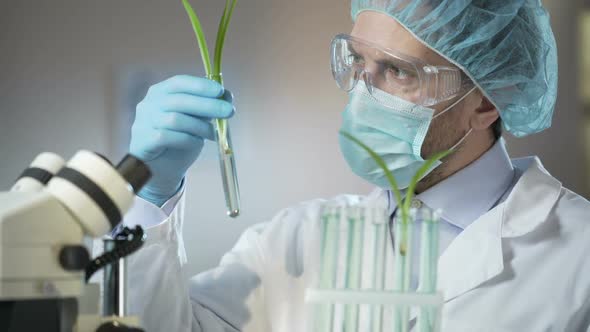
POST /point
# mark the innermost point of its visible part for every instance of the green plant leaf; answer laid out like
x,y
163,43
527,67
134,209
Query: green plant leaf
x,y
380,163
200,36
221,33
418,176
403,204
218,43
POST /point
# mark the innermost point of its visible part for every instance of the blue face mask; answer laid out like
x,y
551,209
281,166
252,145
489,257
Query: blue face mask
x,y
392,127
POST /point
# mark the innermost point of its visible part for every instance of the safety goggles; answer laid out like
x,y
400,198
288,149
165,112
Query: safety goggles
x,y
401,75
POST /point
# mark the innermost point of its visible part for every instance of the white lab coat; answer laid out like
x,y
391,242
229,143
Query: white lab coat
x,y
523,266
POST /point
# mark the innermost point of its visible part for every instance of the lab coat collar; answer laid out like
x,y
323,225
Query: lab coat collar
x,y
475,255
466,195
531,200
471,192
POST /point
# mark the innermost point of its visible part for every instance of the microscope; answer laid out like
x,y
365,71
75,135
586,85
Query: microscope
x,y
44,265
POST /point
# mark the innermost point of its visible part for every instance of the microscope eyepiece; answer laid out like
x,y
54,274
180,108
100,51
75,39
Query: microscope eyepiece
x,y
134,171
97,193
37,175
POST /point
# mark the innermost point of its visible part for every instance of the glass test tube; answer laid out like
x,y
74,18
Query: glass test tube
x,y
347,264
227,162
358,255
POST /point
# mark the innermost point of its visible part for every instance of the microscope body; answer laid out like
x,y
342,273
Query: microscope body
x,y
35,230
44,221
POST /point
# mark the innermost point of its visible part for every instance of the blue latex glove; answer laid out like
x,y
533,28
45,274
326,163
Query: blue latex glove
x,y
170,126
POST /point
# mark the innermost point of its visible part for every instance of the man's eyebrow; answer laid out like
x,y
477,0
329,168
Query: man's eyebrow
x,y
384,60
401,64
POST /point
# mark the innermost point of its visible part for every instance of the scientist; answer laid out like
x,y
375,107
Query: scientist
x,y
422,76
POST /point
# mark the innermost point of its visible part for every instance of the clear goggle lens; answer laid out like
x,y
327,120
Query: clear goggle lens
x,y
403,76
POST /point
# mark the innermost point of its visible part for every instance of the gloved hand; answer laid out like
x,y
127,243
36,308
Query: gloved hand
x,y
170,126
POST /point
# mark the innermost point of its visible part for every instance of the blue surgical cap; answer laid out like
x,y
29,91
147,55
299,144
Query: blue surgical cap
x,y
505,46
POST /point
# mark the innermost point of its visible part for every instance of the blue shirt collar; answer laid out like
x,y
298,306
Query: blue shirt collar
x,y
466,195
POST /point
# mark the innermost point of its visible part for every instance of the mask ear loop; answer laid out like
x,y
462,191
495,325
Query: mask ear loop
x,y
455,103
454,147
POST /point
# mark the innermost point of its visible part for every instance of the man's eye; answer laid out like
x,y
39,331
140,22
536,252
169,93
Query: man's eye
x,y
355,59
397,72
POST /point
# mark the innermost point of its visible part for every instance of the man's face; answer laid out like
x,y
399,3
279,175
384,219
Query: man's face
x,y
446,130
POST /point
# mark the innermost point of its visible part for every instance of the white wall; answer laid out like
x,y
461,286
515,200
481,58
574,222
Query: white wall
x,y
60,63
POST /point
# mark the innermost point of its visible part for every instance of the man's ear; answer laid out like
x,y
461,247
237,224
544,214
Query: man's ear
x,y
484,116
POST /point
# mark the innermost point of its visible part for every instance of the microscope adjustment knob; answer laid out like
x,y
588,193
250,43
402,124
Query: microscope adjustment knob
x,y
74,257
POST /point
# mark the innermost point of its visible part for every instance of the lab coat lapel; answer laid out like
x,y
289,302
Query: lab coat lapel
x,y
531,200
476,256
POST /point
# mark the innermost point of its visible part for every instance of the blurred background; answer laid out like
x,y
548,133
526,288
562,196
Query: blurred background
x,y
71,73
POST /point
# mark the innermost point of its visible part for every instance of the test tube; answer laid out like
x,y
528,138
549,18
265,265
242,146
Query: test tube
x,y
227,161
329,256
381,269
356,223
227,165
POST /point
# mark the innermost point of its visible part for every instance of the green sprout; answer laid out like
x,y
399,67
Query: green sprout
x,y
403,204
403,264
213,72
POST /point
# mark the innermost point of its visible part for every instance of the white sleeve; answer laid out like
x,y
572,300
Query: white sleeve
x,y
227,298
